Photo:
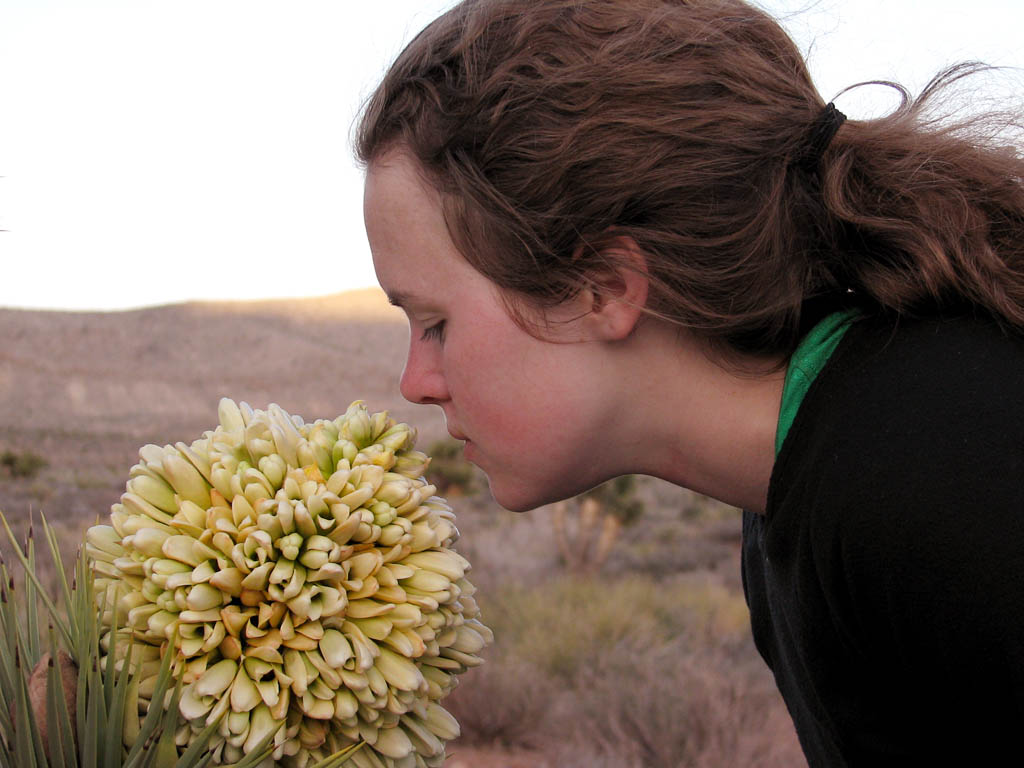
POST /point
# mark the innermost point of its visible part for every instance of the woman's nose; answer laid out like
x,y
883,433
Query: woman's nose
x,y
423,380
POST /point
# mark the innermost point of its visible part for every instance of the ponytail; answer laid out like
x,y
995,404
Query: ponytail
x,y
927,215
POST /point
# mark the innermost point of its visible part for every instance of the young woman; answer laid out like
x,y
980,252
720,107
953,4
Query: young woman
x,y
630,237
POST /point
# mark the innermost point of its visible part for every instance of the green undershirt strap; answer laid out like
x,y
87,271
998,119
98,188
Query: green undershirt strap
x,y
807,362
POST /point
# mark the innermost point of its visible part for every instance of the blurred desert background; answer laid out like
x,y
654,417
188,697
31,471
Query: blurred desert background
x,y
631,652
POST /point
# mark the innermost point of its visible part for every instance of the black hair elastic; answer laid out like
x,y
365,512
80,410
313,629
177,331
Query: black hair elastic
x,y
820,136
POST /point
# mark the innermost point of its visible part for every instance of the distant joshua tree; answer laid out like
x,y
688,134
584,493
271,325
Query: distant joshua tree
x,y
599,515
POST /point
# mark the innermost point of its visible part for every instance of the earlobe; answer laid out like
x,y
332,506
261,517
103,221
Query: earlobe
x,y
618,295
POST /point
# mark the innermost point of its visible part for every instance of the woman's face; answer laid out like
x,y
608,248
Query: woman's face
x,y
526,408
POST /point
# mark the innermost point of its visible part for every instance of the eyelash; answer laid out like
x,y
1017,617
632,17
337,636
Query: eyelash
x,y
436,331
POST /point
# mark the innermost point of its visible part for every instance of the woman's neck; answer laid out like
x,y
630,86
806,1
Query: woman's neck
x,y
696,423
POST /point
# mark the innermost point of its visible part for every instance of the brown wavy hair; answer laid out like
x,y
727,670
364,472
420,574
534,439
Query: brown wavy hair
x,y
552,127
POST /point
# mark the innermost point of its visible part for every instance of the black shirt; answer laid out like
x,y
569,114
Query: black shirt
x,y
886,579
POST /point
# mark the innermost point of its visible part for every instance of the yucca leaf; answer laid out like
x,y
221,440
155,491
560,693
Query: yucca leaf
x,y
31,576
5,753
12,621
31,603
83,627
148,754
62,576
115,748
85,666
137,755
154,716
22,741
94,720
54,732
199,745
340,757
8,672
102,719
155,722
166,750
260,752
62,721
108,673
28,745
8,625
6,737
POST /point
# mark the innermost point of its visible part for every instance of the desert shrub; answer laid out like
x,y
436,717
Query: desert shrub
x,y
506,702
568,622
21,463
679,503
450,471
630,672
676,706
667,549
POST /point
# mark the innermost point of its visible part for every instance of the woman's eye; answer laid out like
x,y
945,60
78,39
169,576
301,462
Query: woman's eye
x,y
436,331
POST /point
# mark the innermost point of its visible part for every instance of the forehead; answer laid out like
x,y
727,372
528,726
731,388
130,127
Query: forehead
x,y
413,252
395,192
417,263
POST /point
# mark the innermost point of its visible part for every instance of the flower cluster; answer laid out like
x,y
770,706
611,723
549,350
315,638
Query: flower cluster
x,y
303,575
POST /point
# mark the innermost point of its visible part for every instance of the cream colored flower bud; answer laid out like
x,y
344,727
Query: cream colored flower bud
x,y
154,491
105,539
289,546
423,738
244,695
148,542
413,464
202,597
393,743
216,679
398,437
356,424
186,480
230,416
273,468
344,451
262,723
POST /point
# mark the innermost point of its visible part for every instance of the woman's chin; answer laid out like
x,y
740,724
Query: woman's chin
x,y
512,496
523,488
515,496
498,487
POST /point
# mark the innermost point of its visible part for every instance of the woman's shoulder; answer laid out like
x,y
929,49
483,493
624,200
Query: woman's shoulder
x,y
916,376
959,346
913,414
907,458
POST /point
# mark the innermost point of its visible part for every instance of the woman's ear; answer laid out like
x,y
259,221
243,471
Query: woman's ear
x,y
617,295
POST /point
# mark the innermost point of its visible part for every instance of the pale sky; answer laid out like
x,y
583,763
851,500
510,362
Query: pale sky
x,y
156,151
